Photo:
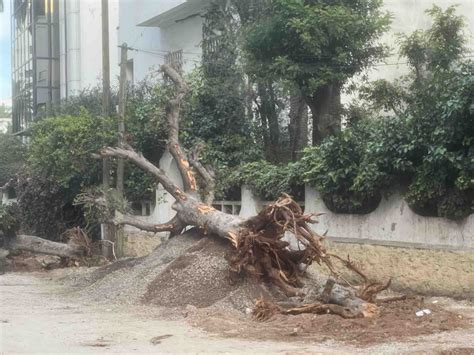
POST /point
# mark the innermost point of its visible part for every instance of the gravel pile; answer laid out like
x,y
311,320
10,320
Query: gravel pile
x,y
185,270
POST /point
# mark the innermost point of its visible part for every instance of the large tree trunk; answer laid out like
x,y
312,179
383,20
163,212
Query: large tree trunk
x,y
298,127
258,243
43,246
325,105
269,118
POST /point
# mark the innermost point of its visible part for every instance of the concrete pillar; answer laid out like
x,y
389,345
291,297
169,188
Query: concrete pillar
x,y
251,204
163,211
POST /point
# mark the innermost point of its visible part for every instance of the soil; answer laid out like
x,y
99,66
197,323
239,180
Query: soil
x,y
396,322
38,315
186,280
429,272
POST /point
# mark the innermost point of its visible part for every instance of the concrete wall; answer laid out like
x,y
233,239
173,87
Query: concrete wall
x,y
392,223
431,256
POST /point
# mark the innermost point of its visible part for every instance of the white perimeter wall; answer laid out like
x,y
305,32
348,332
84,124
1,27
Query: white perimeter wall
x,y
392,223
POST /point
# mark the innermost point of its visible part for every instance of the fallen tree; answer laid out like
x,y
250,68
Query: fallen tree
x,y
44,246
259,246
10,240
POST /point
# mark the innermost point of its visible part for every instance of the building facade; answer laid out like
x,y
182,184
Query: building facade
x,y
56,52
160,31
157,28
35,65
56,44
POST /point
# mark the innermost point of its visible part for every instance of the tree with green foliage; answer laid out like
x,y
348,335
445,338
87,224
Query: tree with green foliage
x,y
317,45
59,157
426,141
436,101
216,112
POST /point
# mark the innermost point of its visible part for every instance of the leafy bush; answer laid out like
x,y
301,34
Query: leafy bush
x,y
147,132
428,149
338,170
46,208
62,148
443,131
12,157
268,181
9,223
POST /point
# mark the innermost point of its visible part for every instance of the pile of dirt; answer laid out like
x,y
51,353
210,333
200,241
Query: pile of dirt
x,y
200,278
185,270
397,320
190,274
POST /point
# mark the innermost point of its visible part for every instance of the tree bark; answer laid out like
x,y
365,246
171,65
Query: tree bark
x,y
298,126
43,246
325,105
269,118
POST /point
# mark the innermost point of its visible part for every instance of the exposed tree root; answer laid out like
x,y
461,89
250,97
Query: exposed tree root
x,y
370,289
261,245
391,299
264,310
262,252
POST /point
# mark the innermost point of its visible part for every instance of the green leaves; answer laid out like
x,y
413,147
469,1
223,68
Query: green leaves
x,y
315,43
12,157
439,46
266,180
62,147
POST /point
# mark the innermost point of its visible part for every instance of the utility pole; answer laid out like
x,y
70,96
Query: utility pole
x,y
122,106
105,83
105,59
108,230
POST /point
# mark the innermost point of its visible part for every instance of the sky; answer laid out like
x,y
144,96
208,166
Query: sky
x,y
5,56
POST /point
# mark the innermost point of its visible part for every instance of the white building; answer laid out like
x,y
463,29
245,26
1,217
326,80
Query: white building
x,y
80,36
156,28
56,52
57,44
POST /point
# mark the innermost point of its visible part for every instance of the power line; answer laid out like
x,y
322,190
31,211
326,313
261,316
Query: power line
x,y
162,54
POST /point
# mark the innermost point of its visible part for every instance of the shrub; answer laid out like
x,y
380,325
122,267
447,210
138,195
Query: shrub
x,y
61,147
338,170
12,157
268,181
45,207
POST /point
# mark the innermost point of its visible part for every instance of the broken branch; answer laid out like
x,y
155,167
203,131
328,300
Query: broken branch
x,y
143,163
